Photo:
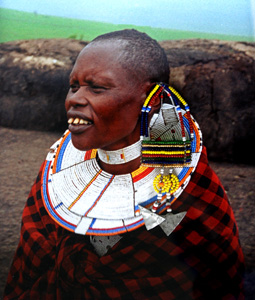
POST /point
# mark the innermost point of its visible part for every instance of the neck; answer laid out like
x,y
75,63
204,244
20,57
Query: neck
x,y
121,169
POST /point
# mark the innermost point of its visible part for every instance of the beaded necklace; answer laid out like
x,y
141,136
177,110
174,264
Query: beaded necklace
x,y
84,199
120,156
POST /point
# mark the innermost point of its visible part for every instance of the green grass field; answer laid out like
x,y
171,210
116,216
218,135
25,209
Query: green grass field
x,y
17,25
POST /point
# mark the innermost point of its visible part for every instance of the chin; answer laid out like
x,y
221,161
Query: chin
x,y
79,145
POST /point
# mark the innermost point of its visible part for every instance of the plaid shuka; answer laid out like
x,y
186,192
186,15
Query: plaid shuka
x,y
201,259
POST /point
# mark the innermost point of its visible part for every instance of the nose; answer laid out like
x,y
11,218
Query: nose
x,y
76,99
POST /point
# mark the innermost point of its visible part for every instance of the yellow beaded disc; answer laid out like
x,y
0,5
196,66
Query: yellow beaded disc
x,y
166,183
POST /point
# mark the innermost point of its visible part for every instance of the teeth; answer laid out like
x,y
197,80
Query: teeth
x,y
70,121
78,121
83,121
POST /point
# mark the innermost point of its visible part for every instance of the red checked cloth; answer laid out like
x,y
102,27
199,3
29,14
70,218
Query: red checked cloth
x,y
201,259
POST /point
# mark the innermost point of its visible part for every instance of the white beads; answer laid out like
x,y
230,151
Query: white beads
x,y
121,156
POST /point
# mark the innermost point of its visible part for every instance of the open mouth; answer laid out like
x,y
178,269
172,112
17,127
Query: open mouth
x,y
78,125
78,121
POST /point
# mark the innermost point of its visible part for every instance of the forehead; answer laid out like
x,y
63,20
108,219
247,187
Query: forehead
x,y
100,57
101,62
105,52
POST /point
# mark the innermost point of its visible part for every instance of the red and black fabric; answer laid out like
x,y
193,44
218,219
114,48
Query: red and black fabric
x,y
201,259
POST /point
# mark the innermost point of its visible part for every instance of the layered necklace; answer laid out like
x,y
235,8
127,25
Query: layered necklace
x,y
84,199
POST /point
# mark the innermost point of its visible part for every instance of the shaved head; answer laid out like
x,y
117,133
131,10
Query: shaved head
x,y
140,55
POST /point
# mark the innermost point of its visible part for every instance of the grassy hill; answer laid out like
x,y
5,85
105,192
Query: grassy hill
x,y
17,25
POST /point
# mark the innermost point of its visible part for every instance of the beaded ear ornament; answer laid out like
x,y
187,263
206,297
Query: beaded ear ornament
x,y
166,141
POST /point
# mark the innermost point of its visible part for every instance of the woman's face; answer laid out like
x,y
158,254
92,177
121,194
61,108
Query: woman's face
x,y
103,103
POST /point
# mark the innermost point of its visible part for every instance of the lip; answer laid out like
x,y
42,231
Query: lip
x,y
79,115
78,128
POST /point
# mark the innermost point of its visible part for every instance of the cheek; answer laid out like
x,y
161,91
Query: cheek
x,y
109,112
118,113
126,119
67,104
132,112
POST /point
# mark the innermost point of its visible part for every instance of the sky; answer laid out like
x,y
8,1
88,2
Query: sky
x,y
235,17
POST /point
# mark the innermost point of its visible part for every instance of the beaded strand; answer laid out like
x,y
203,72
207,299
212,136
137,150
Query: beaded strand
x,y
147,108
176,96
186,106
178,109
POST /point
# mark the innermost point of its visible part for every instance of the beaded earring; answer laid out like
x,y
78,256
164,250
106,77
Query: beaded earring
x,y
166,141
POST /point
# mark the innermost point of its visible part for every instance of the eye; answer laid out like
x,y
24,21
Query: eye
x,y
97,89
74,87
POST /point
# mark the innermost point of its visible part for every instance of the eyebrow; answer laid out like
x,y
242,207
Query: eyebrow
x,y
99,80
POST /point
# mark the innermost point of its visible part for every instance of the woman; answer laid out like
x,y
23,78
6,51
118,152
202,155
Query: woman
x,y
98,224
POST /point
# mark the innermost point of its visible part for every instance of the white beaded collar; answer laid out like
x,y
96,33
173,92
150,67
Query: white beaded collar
x,y
82,198
120,156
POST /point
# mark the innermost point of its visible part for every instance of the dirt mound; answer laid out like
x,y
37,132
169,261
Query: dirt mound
x,y
218,80
35,77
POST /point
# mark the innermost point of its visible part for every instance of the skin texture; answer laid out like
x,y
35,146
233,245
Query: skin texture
x,y
104,94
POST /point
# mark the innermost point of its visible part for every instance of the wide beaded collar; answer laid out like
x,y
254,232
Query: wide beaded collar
x,y
84,199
